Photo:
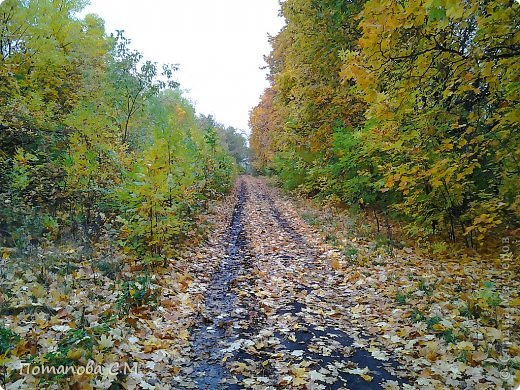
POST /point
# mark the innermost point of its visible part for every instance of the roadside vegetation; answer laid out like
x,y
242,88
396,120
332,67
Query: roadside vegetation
x,y
104,170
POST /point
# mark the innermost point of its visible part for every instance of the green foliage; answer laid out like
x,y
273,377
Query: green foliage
x,y
75,345
488,297
425,287
449,336
137,293
417,316
8,340
92,135
433,321
77,338
133,82
109,267
483,304
400,297
351,254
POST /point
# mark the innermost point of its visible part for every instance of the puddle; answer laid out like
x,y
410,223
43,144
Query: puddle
x,y
332,349
216,332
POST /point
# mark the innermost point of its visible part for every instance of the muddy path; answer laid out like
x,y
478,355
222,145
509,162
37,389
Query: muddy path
x,y
212,334
275,315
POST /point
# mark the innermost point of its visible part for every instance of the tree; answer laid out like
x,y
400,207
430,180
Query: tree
x,y
438,79
134,81
69,96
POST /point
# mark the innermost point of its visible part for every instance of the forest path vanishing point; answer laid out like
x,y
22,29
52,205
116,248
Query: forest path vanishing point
x,y
275,314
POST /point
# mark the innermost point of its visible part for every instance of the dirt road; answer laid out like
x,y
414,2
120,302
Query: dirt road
x,y
275,314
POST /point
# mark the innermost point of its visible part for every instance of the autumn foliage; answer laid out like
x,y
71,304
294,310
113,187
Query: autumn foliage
x,y
94,139
408,109
104,169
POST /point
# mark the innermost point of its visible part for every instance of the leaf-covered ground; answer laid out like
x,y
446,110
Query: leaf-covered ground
x,y
450,317
264,301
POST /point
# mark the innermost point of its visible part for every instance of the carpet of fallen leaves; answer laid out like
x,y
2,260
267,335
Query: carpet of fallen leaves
x,y
68,306
451,317
274,296
288,326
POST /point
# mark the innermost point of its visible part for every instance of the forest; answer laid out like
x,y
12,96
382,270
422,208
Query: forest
x,y
93,134
408,110
362,235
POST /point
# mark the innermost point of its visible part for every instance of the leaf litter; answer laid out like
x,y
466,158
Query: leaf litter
x,y
264,301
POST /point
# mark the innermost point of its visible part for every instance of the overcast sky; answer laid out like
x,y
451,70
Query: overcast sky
x,y
219,45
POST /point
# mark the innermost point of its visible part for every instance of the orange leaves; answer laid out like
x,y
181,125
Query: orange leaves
x,y
335,264
265,123
185,280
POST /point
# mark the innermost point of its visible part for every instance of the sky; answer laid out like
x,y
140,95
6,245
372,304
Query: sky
x,y
218,44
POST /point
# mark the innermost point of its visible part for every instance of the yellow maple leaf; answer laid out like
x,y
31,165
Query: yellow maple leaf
x,y
105,342
75,354
439,327
466,346
38,291
300,376
184,334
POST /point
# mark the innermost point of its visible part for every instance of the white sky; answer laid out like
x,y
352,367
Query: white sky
x,y
219,45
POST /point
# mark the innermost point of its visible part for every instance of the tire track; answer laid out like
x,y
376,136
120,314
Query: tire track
x,y
264,309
